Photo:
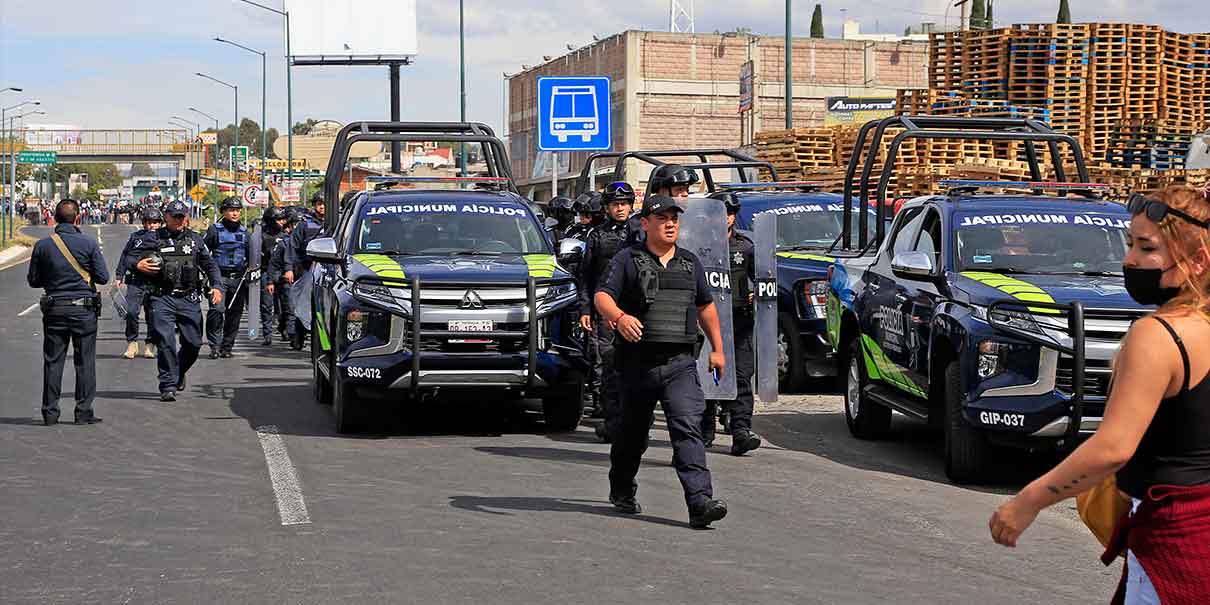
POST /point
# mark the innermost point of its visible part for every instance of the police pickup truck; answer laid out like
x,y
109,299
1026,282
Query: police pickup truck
x,y
422,289
992,317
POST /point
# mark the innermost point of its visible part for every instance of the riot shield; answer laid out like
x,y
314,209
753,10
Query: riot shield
x,y
764,278
300,296
118,297
704,233
254,289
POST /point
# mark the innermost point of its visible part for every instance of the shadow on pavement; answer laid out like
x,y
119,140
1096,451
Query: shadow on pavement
x,y
551,454
502,504
119,395
23,421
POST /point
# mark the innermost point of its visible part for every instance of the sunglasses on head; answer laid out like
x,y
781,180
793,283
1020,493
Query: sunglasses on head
x,y
1155,210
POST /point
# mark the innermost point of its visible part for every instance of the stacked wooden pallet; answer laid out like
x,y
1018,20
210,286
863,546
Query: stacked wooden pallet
x,y
912,101
792,150
985,62
1109,75
945,61
1049,67
1144,144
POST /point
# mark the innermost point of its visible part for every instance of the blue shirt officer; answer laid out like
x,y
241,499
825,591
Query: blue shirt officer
x,y
140,242
655,295
70,306
230,246
176,269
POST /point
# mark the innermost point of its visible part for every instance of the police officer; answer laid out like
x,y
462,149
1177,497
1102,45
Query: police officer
x,y
176,270
562,209
672,180
603,243
298,266
278,287
272,229
230,246
136,283
743,319
656,296
68,266
590,210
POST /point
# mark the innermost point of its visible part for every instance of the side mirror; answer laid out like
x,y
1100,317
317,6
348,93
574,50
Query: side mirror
x,y
323,249
912,264
571,250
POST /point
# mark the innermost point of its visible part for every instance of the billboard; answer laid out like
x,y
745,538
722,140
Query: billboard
x,y
352,32
857,110
745,87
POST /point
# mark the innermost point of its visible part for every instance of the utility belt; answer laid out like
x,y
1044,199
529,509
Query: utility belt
x,y
651,353
91,302
232,272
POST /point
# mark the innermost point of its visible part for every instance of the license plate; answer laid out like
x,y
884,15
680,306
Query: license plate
x,y
471,325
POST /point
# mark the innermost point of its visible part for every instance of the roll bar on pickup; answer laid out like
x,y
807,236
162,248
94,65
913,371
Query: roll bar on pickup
x,y
734,160
1030,132
494,152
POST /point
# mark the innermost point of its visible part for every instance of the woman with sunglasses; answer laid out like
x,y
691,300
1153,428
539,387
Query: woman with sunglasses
x,y
1156,431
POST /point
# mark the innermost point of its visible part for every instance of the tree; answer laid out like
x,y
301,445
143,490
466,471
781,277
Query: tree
x,y
304,127
817,22
141,169
978,14
1064,12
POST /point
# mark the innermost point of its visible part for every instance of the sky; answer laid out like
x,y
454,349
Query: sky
x,y
131,63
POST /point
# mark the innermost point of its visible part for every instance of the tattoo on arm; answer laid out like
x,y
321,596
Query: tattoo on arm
x,y
1068,487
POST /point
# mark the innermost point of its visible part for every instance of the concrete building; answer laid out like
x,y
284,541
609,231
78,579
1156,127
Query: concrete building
x,y
676,90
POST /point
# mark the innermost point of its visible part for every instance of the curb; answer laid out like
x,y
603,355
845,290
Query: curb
x,y
14,256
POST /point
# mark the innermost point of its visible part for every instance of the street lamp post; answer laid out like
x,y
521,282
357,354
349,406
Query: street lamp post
x,y
195,131
264,148
200,112
289,91
12,151
7,230
462,80
789,87
234,169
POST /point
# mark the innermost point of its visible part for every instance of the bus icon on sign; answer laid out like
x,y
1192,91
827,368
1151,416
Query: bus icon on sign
x,y
574,112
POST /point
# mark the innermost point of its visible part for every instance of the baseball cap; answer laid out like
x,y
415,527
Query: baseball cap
x,y
655,204
176,208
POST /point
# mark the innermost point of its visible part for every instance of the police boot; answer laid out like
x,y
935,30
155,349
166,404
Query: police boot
x,y
267,341
148,351
603,434
213,353
724,420
700,517
625,504
132,349
743,441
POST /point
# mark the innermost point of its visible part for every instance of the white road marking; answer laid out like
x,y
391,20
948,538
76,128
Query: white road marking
x,y
28,311
290,505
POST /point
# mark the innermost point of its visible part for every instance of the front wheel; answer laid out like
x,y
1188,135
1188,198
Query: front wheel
x,y
351,411
866,419
966,450
562,409
791,366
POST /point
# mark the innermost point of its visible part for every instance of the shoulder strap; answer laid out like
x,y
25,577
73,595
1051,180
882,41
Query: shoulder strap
x,y
1179,345
70,258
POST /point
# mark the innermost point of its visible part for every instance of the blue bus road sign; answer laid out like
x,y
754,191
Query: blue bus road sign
x,y
573,114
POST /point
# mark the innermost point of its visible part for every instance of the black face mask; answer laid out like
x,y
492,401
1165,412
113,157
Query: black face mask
x,y
1144,287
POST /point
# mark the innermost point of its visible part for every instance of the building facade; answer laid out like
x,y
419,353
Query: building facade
x,y
682,90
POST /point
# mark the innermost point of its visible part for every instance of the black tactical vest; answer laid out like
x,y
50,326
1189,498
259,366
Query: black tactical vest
x,y
610,240
180,271
669,315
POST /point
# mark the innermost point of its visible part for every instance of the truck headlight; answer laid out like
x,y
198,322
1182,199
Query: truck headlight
x,y
816,295
991,358
361,324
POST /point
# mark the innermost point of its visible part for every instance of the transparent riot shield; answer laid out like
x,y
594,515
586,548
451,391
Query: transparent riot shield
x,y
300,296
118,297
704,233
764,259
253,280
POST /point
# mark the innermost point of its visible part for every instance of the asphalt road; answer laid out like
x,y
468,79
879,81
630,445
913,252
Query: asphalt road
x,y
201,501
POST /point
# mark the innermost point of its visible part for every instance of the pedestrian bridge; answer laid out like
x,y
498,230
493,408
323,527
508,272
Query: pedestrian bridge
x,y
110,145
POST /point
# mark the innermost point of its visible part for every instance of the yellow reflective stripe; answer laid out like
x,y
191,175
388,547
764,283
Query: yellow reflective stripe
x,y
381,265
540,265
1018,289
885,368
806,256
320,331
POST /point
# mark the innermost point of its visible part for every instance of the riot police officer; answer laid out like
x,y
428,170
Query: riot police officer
x,y
68,266
176,269
656,296
272,229
605,241
672,180
562,209
743,319
230,246
298,268
136,283
590,210
278,287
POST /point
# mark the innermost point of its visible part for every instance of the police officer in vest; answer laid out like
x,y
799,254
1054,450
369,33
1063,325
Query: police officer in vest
x,y
591,210
136,283
230,245
743,319
562,209
176,270
672,180
605,241
278,288
298,267
67,266
655,295
272,229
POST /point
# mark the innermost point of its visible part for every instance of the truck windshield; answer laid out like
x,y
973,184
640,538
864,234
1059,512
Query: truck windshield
x,y
1057,248
413,228
817,227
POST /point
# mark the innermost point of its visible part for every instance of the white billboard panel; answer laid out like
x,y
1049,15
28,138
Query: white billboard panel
x,y
351,32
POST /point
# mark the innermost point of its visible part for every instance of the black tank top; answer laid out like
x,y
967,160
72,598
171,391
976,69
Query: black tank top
x,y
1175,450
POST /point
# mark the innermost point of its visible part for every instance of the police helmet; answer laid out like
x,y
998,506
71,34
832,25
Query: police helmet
x,y
561,204
667,176
231,203
619,191
273,214
590,203
294,215
152,215
317,198
729,199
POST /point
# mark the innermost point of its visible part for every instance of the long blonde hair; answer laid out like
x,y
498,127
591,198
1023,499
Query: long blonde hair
x,y
1187,242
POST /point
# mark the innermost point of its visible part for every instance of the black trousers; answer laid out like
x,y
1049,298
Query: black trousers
x,y
137,300
171,315
268,307
222,321
611,403
745,366
63,324
644,379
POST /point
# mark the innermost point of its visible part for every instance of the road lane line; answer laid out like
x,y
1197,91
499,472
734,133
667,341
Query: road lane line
x,y
290,505
28,311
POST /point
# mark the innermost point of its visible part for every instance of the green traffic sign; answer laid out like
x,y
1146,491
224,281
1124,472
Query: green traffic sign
x,y
239,155
37,157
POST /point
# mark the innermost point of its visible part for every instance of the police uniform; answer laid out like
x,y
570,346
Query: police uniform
x,y
743,320
140,242
230,246
281,289
269,303
603,244
295,256
661,367
70,306
175,302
